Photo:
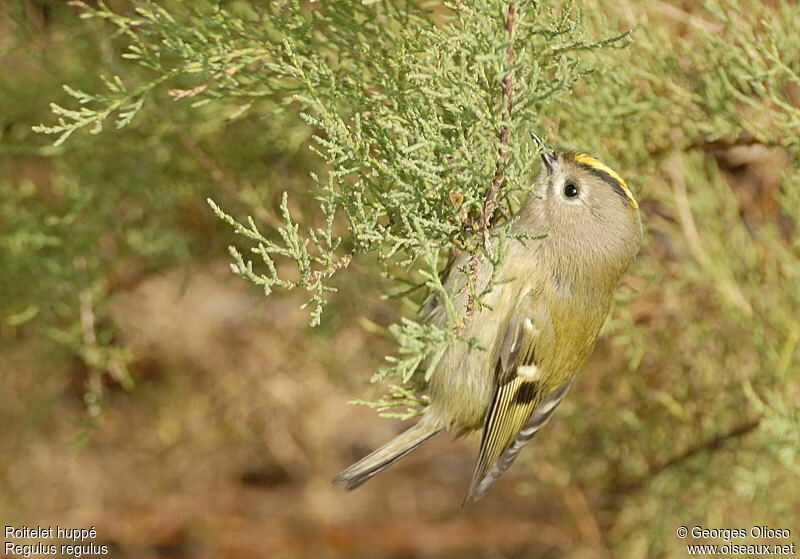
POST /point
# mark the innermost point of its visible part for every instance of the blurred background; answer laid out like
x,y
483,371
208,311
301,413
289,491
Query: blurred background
x,y
147,391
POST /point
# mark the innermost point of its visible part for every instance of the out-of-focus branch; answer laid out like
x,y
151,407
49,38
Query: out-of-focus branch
x,y
490,202
709,446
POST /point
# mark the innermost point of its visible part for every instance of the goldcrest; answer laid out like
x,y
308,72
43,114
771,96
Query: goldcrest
x,y
539,323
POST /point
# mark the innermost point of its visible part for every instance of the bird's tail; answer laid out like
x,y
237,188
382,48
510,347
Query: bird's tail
x,y
385,456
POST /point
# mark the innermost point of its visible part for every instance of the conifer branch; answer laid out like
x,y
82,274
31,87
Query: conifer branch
x,y
713,444
484,222
489,204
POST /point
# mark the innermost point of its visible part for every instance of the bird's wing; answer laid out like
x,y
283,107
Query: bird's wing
x,y
518,408
515,395
538,419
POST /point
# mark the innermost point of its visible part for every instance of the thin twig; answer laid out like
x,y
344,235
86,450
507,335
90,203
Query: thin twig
x,y
692,19
714,444
90,353
578,505
729,288
328,272
178,94
490,202
484,221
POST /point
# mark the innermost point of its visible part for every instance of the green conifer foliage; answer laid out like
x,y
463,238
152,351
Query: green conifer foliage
x,y
379,137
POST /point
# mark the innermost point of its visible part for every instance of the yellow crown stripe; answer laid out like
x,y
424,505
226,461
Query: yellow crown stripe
x,y
590,161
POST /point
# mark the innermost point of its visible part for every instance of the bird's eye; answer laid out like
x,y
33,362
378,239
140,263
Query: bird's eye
x,y
570,190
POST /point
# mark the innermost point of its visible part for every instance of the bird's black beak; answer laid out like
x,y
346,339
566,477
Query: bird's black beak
x,y
548,156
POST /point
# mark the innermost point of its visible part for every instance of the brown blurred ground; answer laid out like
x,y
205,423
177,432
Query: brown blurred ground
x,y
228,444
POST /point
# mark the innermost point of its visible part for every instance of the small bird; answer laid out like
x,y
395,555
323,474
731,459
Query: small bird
x,y
539,323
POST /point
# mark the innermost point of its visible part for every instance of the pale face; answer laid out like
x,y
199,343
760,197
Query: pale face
x,y
587,209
